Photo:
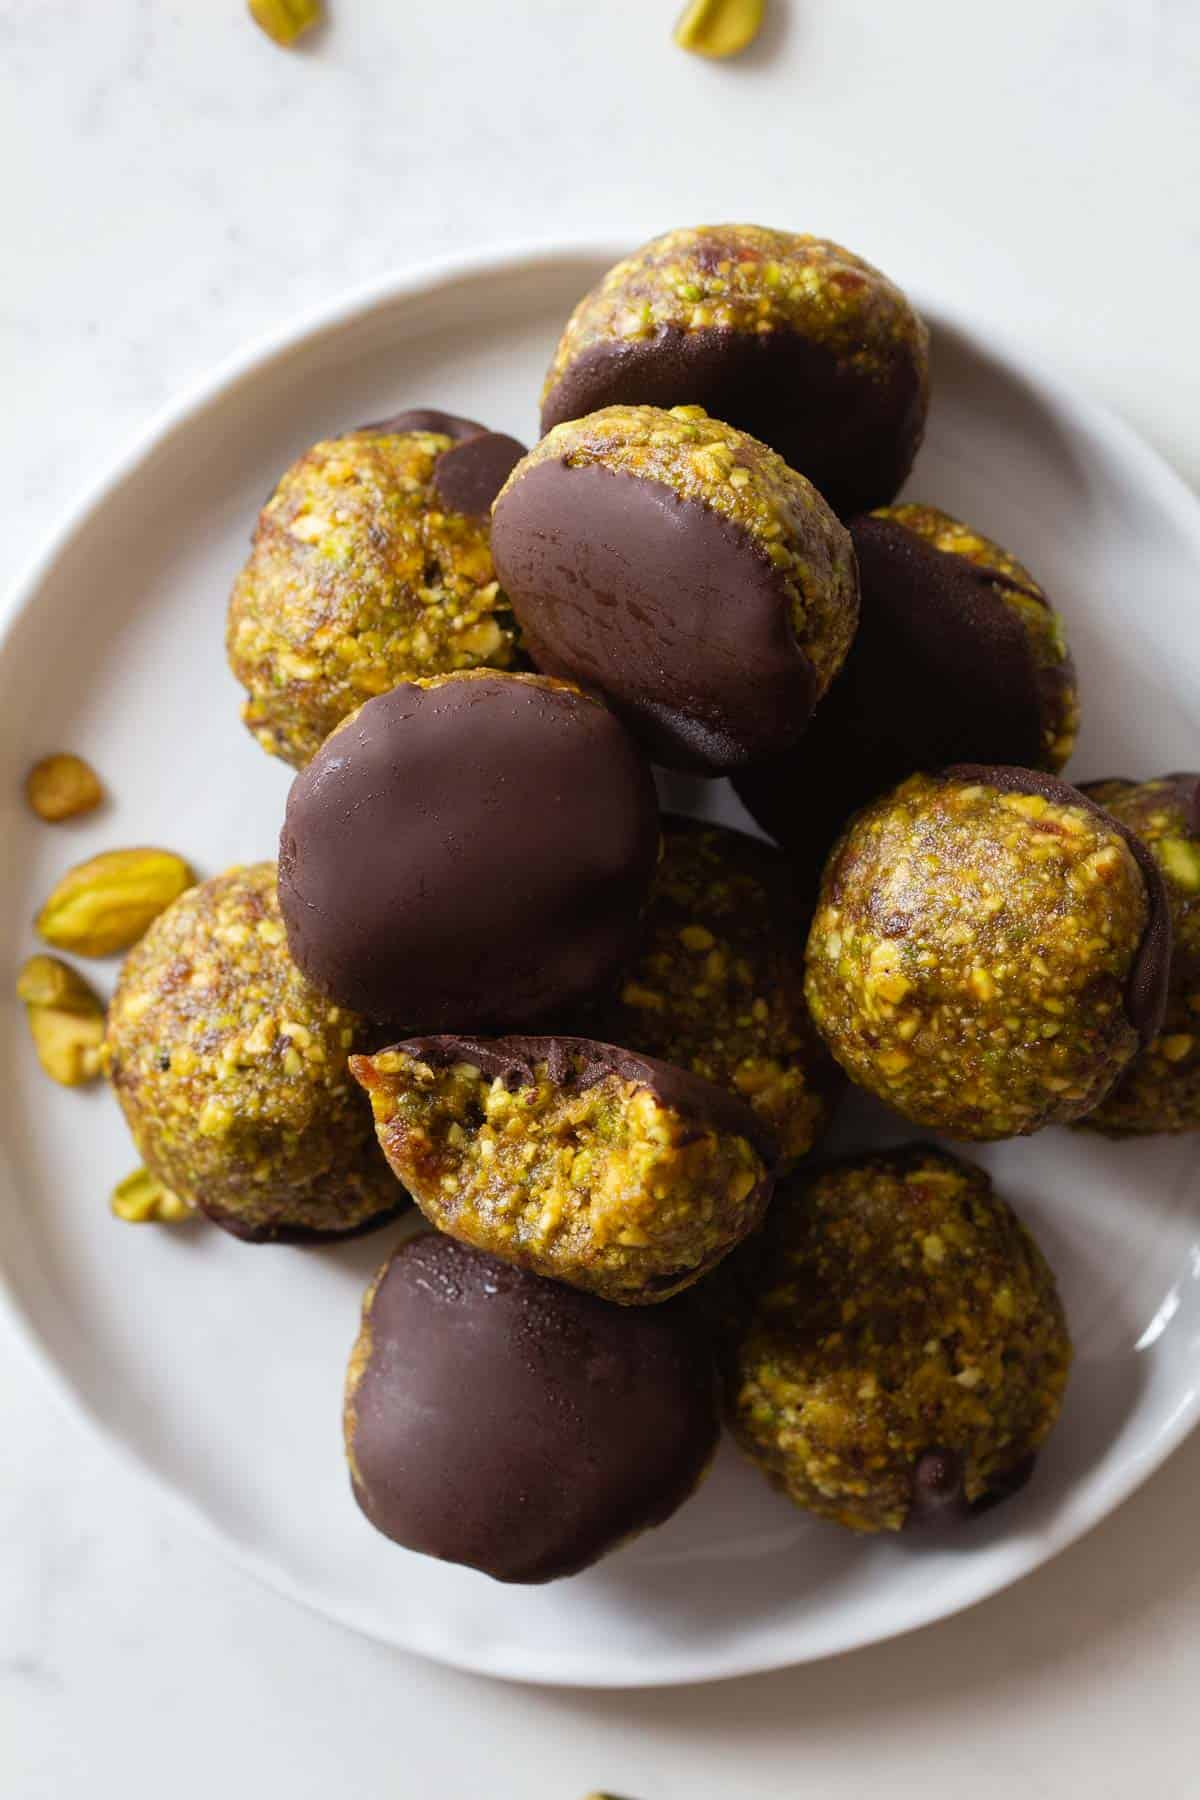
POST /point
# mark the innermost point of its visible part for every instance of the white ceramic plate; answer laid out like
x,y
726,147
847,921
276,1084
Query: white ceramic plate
x,y
218,1367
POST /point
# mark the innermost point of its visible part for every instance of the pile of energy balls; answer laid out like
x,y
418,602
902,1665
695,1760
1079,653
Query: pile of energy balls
x,y
597,1046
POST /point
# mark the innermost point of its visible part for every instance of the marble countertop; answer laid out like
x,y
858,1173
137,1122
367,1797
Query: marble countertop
x,y
173,187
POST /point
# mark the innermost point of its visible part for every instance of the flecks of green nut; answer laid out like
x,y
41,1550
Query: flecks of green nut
x,y
719,28
1180,859
68,1044
48,981
141,1199
107,903
286,20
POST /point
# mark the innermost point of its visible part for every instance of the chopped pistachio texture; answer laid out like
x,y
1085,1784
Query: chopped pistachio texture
x,y
603,1186
1161,1089
359,579
232,1071
969,956
899,1307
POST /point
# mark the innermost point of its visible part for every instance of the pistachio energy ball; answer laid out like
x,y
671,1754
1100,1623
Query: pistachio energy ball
x,y
716,984
574,1159
680,568
468,852
516,1425
900,1349
1160,1091
232,1072
370,565
788,336
988,951
959,657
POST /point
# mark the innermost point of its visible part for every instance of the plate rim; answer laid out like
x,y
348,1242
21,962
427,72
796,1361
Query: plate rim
x,y
301,332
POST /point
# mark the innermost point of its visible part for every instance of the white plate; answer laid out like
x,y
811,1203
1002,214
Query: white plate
x,y
218,1367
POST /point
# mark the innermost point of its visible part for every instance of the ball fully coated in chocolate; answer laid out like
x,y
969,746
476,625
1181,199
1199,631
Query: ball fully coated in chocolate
x,y
472,852
680,568
1160,1091
788,336
370,566
231,1071
576,1159
958,657
898,1347
515,1425
988,952
716,984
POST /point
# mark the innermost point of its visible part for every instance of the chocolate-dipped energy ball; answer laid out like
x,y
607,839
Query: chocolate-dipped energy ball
x,y
958,657
574,1159
901,1349
1160,1091
231,1071
988,952
790,337
370,566
683,570
469,851
716,984
514,1425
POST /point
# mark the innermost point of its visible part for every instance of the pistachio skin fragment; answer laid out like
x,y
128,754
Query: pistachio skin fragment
x,y
61,787
284,21
719,28
142,1199
893,1305
107,903
1160,1091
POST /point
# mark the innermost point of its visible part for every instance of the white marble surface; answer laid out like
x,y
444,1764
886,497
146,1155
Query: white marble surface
x,y
172,186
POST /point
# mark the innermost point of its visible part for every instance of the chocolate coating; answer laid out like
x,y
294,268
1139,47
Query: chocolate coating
x,y
790,337
472,851
1146,989
469,475
517,1426
685,572
942,670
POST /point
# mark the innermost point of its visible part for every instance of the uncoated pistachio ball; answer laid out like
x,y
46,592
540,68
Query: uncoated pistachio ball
x,y
370,566
680,568
232,1072
988,951
716,984
1161,1089
898,1347
790,337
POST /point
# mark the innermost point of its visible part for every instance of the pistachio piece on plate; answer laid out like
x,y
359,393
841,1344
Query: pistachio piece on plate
x,y
62,786
107,903
286,20
141,1199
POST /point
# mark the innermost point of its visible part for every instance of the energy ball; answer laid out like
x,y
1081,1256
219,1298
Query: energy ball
x,y
901,1350
988,952
471,851
717,982
684,571
231,1072
576,1160
959,657
1160,1091
514,1425
790,337
370,566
